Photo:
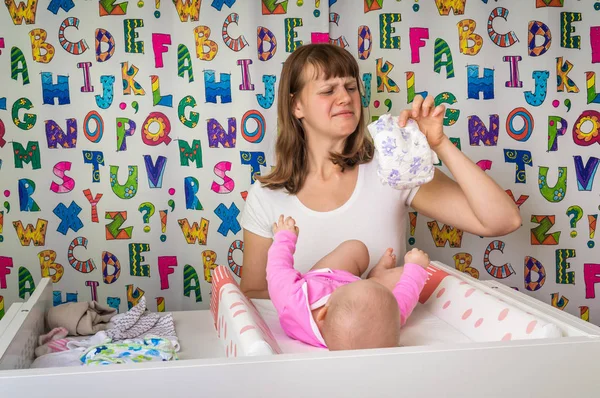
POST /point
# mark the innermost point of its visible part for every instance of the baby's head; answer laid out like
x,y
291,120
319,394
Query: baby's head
x,y
360,315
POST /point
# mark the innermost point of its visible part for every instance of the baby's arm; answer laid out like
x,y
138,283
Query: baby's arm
x,y
408,289
282,278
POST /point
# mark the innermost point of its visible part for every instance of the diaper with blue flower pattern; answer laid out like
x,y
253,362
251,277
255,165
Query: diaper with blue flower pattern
x,y
405,159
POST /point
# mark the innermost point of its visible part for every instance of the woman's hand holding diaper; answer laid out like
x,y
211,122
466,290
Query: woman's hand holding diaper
x,y
429,118
288,224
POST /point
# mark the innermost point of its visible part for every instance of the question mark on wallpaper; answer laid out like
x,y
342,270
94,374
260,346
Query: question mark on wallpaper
x,y
147,210
575,212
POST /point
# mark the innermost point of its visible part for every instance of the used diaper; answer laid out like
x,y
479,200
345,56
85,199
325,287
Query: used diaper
x,y
404,157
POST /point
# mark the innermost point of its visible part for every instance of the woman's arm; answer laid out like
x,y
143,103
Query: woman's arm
x,y
473,203
254,269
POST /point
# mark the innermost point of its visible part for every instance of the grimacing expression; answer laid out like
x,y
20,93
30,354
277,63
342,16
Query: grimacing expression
x,y
329,107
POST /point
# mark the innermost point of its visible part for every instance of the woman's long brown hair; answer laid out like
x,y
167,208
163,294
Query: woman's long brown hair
x,y
291,152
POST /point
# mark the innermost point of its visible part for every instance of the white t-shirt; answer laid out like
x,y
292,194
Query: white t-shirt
x,y
375,214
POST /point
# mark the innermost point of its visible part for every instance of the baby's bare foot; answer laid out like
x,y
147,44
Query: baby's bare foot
x,y
386,262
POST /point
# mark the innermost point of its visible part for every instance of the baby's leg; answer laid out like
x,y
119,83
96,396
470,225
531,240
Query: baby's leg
x,y
386,262
388,278
385,271
351,256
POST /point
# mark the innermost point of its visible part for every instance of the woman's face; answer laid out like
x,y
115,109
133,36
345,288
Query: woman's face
x,y
328,108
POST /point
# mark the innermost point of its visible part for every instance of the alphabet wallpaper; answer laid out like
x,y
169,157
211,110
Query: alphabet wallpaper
x,y
131,132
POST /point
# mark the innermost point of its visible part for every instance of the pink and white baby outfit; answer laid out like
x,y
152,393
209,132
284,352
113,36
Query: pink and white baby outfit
x,y
295,295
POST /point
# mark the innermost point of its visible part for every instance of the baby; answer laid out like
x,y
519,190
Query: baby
x,y
330,306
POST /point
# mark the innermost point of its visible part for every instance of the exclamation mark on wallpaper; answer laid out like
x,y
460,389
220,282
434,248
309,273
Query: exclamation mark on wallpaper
x,y
413,226
316,12
584,313
1,307
163,216
592,218
163,224
157,6
160,304
7,208
416,6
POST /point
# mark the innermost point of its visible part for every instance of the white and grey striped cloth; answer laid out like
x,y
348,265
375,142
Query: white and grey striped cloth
x,y
139,323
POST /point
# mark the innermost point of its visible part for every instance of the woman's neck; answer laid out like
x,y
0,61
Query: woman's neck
x,y
319,161
323,168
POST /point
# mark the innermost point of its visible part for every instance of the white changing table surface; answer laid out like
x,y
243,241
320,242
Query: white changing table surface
x,y
198,337
421,328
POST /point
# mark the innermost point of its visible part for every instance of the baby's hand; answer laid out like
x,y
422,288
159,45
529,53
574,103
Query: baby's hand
x,y
289,223
417,256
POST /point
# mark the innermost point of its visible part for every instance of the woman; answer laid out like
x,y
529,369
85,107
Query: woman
x,y
325,176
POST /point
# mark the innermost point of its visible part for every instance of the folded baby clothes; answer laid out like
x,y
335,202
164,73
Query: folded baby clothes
x,y
59,359
174,341
82,318
139,323
151,349
75,348
404,157
99,338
